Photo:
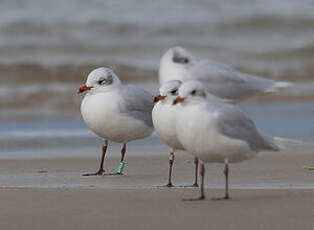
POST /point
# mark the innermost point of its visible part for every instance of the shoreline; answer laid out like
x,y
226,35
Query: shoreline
x,y
50,193
147,167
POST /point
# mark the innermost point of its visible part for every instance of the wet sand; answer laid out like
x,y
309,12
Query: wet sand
x,y
272,191
154,209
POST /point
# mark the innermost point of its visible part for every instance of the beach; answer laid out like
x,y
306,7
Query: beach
x,y
272,191
47,51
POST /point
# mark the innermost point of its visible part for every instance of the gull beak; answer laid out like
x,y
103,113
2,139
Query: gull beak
x,y
178,100
83,88
158,98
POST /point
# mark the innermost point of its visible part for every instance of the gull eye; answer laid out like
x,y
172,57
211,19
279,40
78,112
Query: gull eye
x,y
193,92
180,59
106,81
101,81
185,60
173,92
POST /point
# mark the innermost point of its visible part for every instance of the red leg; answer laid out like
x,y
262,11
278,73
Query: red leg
x,y
202,197
123,151
196,172
122,163
226,173
101,170
171,161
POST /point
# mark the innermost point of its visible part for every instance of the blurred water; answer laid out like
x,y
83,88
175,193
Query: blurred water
x,y
291,120
270,35
47,48
272,38
43,138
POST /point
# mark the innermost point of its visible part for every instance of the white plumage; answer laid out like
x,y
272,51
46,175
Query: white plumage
x,y
164,120
219,79
113,111
215,131
164,115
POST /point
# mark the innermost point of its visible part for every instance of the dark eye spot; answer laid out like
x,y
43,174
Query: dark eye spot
x,y
193,92
101,81
173,92
105,81
180,59
185,60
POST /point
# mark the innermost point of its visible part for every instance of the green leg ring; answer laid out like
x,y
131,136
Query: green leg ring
x,y
121,167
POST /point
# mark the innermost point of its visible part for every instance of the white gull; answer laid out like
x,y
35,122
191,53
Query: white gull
x,y
217,132
219,79
164,120
115,112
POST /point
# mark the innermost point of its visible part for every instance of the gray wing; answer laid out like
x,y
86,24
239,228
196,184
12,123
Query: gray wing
x,y
138,103
233,123
226,82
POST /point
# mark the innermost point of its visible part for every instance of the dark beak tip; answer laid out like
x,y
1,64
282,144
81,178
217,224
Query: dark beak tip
x,y
82,89
177,100
158,98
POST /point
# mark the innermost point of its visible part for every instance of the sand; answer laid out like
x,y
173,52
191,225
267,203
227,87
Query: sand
x,y
272,191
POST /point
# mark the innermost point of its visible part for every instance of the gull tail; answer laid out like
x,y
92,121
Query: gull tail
x,y
284,143
279,85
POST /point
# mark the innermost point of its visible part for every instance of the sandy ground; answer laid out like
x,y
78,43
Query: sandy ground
x,y
272,191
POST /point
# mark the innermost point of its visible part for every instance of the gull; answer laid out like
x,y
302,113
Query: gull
x,y
164,120
217,132
115,112
219,79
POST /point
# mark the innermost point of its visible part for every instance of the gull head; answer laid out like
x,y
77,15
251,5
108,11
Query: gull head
x,y
98,79
178,55
190,91
169,89
175,64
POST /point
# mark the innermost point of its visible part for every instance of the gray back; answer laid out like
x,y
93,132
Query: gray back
x,y
138,103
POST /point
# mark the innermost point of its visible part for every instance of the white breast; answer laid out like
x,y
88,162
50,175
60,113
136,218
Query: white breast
x,y
164,119
196,130
102,114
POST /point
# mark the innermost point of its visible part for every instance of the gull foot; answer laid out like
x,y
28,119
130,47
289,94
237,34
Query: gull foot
x,y
221,198
191,186
115,174
195,199
169,185
100,172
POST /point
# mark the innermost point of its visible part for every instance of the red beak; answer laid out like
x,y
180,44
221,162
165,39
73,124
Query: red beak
x,y
83,88
178,100
158,98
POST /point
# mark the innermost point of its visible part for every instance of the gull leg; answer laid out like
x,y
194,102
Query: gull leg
x,y
196,172
202,197
226,172
123,151
171,161
101,170
122,163
196,160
